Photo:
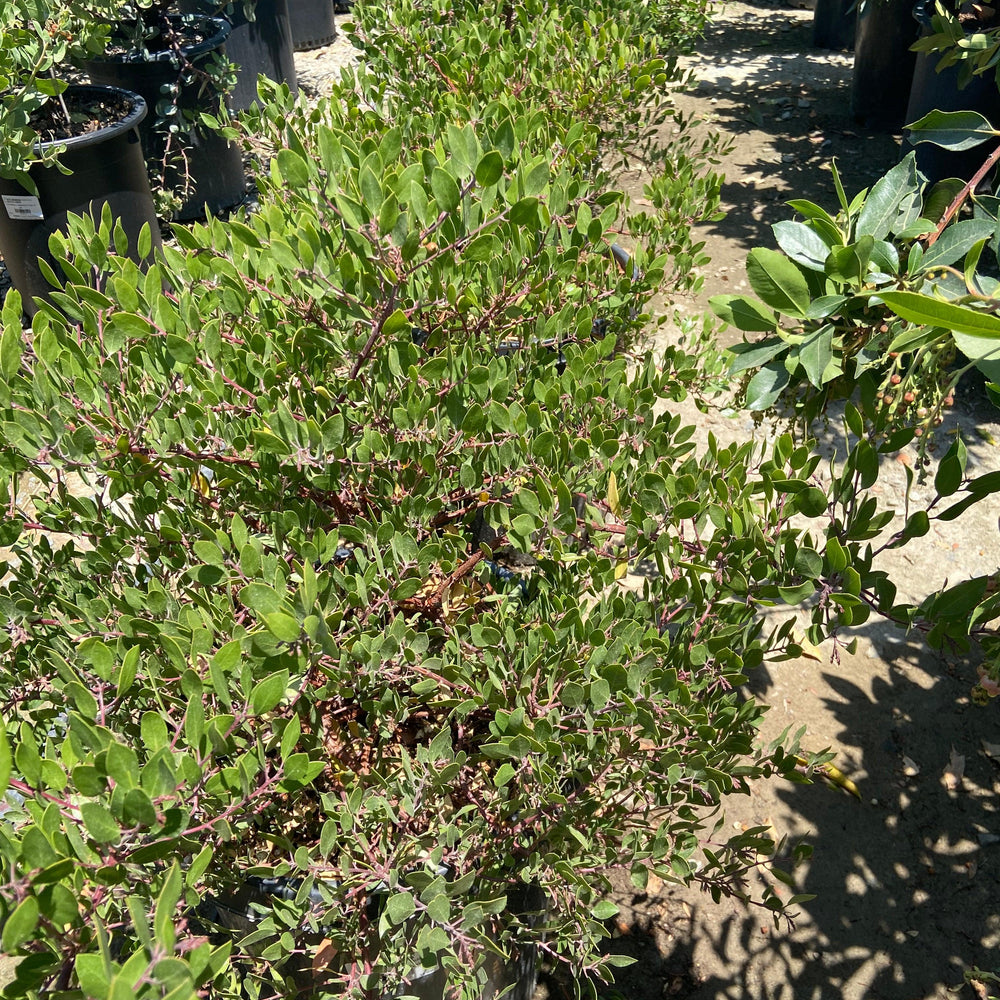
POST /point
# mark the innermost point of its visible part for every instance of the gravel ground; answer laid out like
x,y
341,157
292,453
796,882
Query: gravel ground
x,y
317,68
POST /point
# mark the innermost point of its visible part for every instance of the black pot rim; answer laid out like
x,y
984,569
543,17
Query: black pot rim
x,y
137,111
218,25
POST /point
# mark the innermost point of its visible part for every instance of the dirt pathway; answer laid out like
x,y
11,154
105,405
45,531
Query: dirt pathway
x,y
906,879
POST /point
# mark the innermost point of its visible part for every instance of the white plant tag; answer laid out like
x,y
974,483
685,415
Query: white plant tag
x,y
22,206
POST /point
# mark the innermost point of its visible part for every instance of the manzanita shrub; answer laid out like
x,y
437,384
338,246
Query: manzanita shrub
x,y
596,70
318,537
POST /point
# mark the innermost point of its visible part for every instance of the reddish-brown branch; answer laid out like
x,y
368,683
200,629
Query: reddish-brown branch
x,y
959,198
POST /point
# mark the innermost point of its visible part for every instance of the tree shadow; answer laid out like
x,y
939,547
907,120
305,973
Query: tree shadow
x,y
905,879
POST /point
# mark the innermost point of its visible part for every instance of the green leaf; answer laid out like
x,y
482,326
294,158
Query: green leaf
x,y
5,761
766,386
199,866
397,320
850,263
808,563
954,130
100,824
504,773
283,627
268,692
816,353
292,168
371,190
11,346
525,212
20,925
94,974
753,355
777,281
826,306
181,350
855,422
796,595
882,206
917,525
837,556
951,470
388,214
744,313
483,247
811,501
128,326
885,257
290,736
802,243
153,731
262,599
166,904
138,809
400,906
267,441
391,145
536,180
958,601
930,311
940,197
122,764
604,910
838,186
490,169
956,241
445,190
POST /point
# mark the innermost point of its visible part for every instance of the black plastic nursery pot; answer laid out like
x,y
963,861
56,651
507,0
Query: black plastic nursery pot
x,y
834,24
204,168
933,90
107,168
313,23
258,47
883,62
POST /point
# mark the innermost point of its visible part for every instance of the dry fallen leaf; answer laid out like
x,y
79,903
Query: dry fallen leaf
x,y
809,651
953,773
991,749
325,954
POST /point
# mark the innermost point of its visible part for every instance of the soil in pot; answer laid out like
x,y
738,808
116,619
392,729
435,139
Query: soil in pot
x,y
104,155
195,166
